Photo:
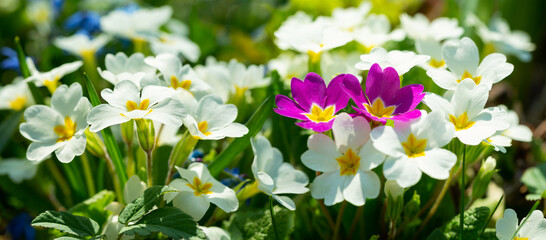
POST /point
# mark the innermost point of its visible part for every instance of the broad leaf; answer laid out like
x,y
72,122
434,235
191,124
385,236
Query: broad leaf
x,y
474,221
257,224
170,221
67,223
535,179
143,204
94,207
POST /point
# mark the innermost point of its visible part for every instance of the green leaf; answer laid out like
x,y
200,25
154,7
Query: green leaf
x,y
67,223
535,180
170,221
8,127
140,206
474,221
257,224
94,207
254,125
109,140
26,73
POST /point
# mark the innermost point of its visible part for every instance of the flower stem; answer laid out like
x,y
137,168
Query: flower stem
x,y
130,160
88,177
60,180
112,170
149,168
436,202
338,220
180,153
461,215
355,221
273,217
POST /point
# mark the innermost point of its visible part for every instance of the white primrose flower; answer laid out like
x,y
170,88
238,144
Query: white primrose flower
x,y
533,229
133,188
16,95
463,61
215,233
464,109
58,128
419,27
176,76
274,176
416,147
349,19
333,64
377,31
229,79
499,36
303,35
41,14
137,25
119,67
126,102
515,131
432,48
346,163
198,189
81,45
175,44
19,169
211,119
50,79
401,61
290,65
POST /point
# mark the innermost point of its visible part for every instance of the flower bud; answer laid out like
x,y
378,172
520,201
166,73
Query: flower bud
x,y
146,134
395,199
483,178
128,131
94,144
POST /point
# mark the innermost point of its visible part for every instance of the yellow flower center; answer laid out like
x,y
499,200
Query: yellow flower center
x,y
199,188
185,84
466,75
239,91
18,103
437,64
521,238
52,84
348,163
414,147
379,110
318,114
461,122
203,127
66,131
314,57
143,105
88,54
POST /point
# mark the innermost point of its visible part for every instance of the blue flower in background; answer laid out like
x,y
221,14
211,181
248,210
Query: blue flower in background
x,y
196,156
20,228
57,7
235,177
86,22
129,8
11,62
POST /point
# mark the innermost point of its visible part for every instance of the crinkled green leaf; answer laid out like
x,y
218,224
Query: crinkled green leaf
x,y
67,223
94,207
257,224
170,221
474,221
143,204
535,179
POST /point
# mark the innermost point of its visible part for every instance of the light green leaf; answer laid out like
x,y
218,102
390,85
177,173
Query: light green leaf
x,y
535,179
170,221
140,206
257,224
67,223
94,207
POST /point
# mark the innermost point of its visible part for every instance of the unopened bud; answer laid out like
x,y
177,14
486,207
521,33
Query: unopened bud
x,y
395,199
146,134
94,144
483,178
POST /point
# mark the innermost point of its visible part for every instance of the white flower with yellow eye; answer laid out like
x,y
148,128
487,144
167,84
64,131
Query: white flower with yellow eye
x,y
289,66
50,79
81,45
137,25
377,31
464,109
349,19
463,61
15,96
416,147
533,229
58,128
211,119
515,131
19,169
198,189
401,61
274,176
126,102
432,48
175,44
119,67
346,163
176,76
419,27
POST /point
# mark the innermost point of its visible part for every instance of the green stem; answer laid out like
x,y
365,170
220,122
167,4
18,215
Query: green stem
x,y
130,160
273,217
149,168
180,153
63,184
490,216
525,220
116,181
88,177
461,215
355,221
338,220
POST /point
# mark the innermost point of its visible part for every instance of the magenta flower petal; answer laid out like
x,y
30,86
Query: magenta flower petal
x,y
408,98
288,108
335,93
311,90
382,83
317,127
415,113
354,90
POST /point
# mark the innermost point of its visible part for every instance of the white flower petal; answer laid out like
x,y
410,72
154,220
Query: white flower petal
x,y
40,121
322,154
19,169
507,225
39,150
363,185
437,163
290,181
123,92
328,186
103,116
370,157
461,55
385,140
443,78
286,202
73,147
494,68
193,205
134,188
403,170
349,132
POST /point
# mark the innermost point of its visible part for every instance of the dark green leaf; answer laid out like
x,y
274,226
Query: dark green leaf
x,y
257,224
26,73
67,223
140,206
8,127
474,221
170,221
94,207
